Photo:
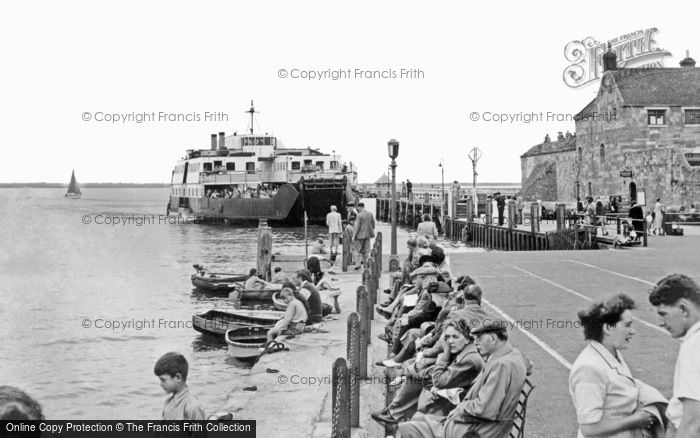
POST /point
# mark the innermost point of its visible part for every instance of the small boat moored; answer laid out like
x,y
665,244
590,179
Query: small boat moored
x,y
215,281
246,342
278,302
218,321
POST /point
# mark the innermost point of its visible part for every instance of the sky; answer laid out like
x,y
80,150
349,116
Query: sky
x,y
64,62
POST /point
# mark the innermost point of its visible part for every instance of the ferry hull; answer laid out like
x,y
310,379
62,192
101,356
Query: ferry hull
x,y
286,208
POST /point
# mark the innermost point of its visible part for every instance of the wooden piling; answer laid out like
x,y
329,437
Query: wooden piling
x,y
264,259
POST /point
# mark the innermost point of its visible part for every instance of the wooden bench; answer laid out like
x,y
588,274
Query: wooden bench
x,y
518,430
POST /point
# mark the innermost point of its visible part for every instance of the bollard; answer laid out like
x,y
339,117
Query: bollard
x,y
535,217
512,214
353,354
264,250
340,415
561,217
369,283
347,249
646,231
364,329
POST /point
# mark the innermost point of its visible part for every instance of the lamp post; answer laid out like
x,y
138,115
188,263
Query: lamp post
x,y
393,149
442,171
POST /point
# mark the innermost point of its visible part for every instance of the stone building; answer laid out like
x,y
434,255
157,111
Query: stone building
x,y
639,138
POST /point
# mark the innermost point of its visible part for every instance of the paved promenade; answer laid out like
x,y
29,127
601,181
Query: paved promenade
x,y
540,292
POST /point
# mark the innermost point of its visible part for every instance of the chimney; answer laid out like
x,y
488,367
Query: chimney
x,y
568,134
688,62
546,138
609,59
560,136
213,142
222,141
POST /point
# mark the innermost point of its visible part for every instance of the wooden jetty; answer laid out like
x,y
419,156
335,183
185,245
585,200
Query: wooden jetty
x,y
456,219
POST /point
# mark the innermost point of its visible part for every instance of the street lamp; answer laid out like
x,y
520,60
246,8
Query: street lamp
x,y
442,171
393,150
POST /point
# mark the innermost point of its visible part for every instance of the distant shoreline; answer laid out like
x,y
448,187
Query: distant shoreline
x,y
84,186
43,185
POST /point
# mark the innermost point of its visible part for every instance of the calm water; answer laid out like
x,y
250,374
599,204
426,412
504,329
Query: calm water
x,y
56,272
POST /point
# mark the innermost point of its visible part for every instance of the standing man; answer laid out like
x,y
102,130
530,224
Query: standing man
x,y
456,187
409,188
362,233
403,188
335,226
500,205
677,302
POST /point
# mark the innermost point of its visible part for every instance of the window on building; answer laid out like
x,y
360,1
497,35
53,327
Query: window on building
x,y
602,154
656,117
250,166
296,165
692,117
334,165
207,167
230,166
319,165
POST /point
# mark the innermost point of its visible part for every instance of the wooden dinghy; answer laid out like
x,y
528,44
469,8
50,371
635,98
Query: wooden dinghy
x,y
222,282
259,294
246,342
218,321
278,302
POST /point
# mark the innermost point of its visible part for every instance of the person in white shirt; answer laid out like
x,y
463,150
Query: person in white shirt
x,y
335,227
677,302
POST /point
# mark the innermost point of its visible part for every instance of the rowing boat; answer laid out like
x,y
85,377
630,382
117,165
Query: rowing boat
x,y
218,321
278,302
246,342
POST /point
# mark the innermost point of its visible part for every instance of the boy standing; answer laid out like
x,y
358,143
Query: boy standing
x,y
171,369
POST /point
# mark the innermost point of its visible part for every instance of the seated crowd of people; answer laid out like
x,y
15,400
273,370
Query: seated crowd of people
x,y
459,376
235,192
307,304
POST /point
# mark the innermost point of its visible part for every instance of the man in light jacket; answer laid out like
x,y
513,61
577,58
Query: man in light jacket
x,y
335,227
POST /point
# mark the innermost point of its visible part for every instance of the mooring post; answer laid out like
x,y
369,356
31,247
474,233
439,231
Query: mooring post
x,y
340,416
561,217
353,354
512,214
264,250
367,283
347,249
645,232
535,217
364,329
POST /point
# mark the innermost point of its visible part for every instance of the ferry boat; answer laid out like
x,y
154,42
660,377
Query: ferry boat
x,y
244,178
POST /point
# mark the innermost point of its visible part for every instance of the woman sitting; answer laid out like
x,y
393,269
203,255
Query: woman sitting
x,y
436,389
609,402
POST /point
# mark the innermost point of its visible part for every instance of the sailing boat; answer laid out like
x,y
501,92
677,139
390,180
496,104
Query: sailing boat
x,y
73,188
